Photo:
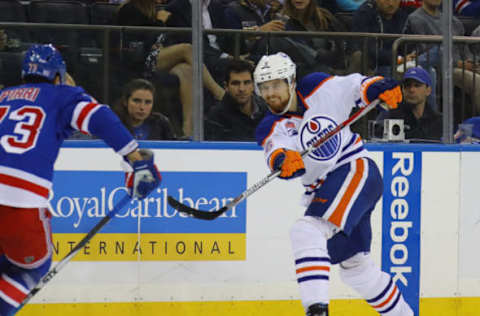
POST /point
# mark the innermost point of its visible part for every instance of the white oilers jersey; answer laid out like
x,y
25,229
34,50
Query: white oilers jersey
x,y
326,101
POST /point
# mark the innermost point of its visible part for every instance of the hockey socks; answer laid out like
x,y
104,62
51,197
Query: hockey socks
x,y
12,293
15,284
376,286
312,264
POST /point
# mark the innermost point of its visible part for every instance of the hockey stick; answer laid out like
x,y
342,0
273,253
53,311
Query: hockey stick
x,y
74,251
207,215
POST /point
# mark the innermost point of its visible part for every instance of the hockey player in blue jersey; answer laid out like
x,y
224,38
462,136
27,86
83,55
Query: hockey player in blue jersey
x,y
342,184
35,118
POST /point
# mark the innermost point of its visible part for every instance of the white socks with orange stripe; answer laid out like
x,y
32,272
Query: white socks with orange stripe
x,y
376,286
309,237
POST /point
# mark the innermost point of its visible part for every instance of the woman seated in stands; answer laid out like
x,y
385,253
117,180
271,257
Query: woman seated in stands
x,y
176,59
135,110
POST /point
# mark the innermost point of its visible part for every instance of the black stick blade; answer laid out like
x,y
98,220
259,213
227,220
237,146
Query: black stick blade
x,y
206,215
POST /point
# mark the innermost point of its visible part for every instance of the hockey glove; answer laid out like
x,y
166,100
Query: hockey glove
x,y
386,89
289,162
145,176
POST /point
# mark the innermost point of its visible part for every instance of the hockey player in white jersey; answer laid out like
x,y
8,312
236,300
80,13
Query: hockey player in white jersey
x,y
342,185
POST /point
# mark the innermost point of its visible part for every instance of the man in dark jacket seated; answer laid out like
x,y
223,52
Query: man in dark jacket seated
x,y
421,121
237,115
377,16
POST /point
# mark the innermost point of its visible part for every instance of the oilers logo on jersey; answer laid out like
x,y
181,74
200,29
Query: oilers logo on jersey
x,y
315,128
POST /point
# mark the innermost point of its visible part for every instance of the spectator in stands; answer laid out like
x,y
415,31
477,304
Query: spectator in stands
x,y
469,80
141,13
215,50
237,115
275,6
253,15
306,15
345,5
176,59
475,48
421,121
377,16
410,5
258,13
8,44
136,111
427,20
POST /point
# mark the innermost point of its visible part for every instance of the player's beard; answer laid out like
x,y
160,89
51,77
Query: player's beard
x,y
278,105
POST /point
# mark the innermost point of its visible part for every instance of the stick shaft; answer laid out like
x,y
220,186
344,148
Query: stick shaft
x,y
46,278
257,186
352,119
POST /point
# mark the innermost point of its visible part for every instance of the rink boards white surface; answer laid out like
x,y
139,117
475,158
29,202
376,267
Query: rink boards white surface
x,y
263,283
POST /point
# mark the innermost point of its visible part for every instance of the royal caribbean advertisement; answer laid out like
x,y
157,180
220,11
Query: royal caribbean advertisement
x,y
149,229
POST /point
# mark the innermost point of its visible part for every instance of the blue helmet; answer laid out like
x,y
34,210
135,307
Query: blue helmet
x,y
44,61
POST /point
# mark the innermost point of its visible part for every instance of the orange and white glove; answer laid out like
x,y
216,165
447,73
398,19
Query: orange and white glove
x,y
289,162
386,89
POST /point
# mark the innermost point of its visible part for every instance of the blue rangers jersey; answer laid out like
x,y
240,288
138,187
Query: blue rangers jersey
x,y
324,102
34,121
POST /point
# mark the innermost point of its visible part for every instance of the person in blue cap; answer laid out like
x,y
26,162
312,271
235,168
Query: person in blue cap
x,y
421,121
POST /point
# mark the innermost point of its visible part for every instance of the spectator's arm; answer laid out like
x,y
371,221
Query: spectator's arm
x,y
272,26
162,16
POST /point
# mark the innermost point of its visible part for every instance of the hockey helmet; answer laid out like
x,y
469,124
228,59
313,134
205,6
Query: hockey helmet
x,y
276,66
44,61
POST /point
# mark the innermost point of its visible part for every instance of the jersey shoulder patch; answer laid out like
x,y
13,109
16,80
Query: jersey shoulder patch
x,y
270,121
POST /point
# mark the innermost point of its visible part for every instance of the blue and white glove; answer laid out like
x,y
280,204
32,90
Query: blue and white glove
x,y
145,176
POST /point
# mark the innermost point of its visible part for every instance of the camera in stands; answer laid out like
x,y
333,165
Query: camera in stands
x,y
387,130
393,130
